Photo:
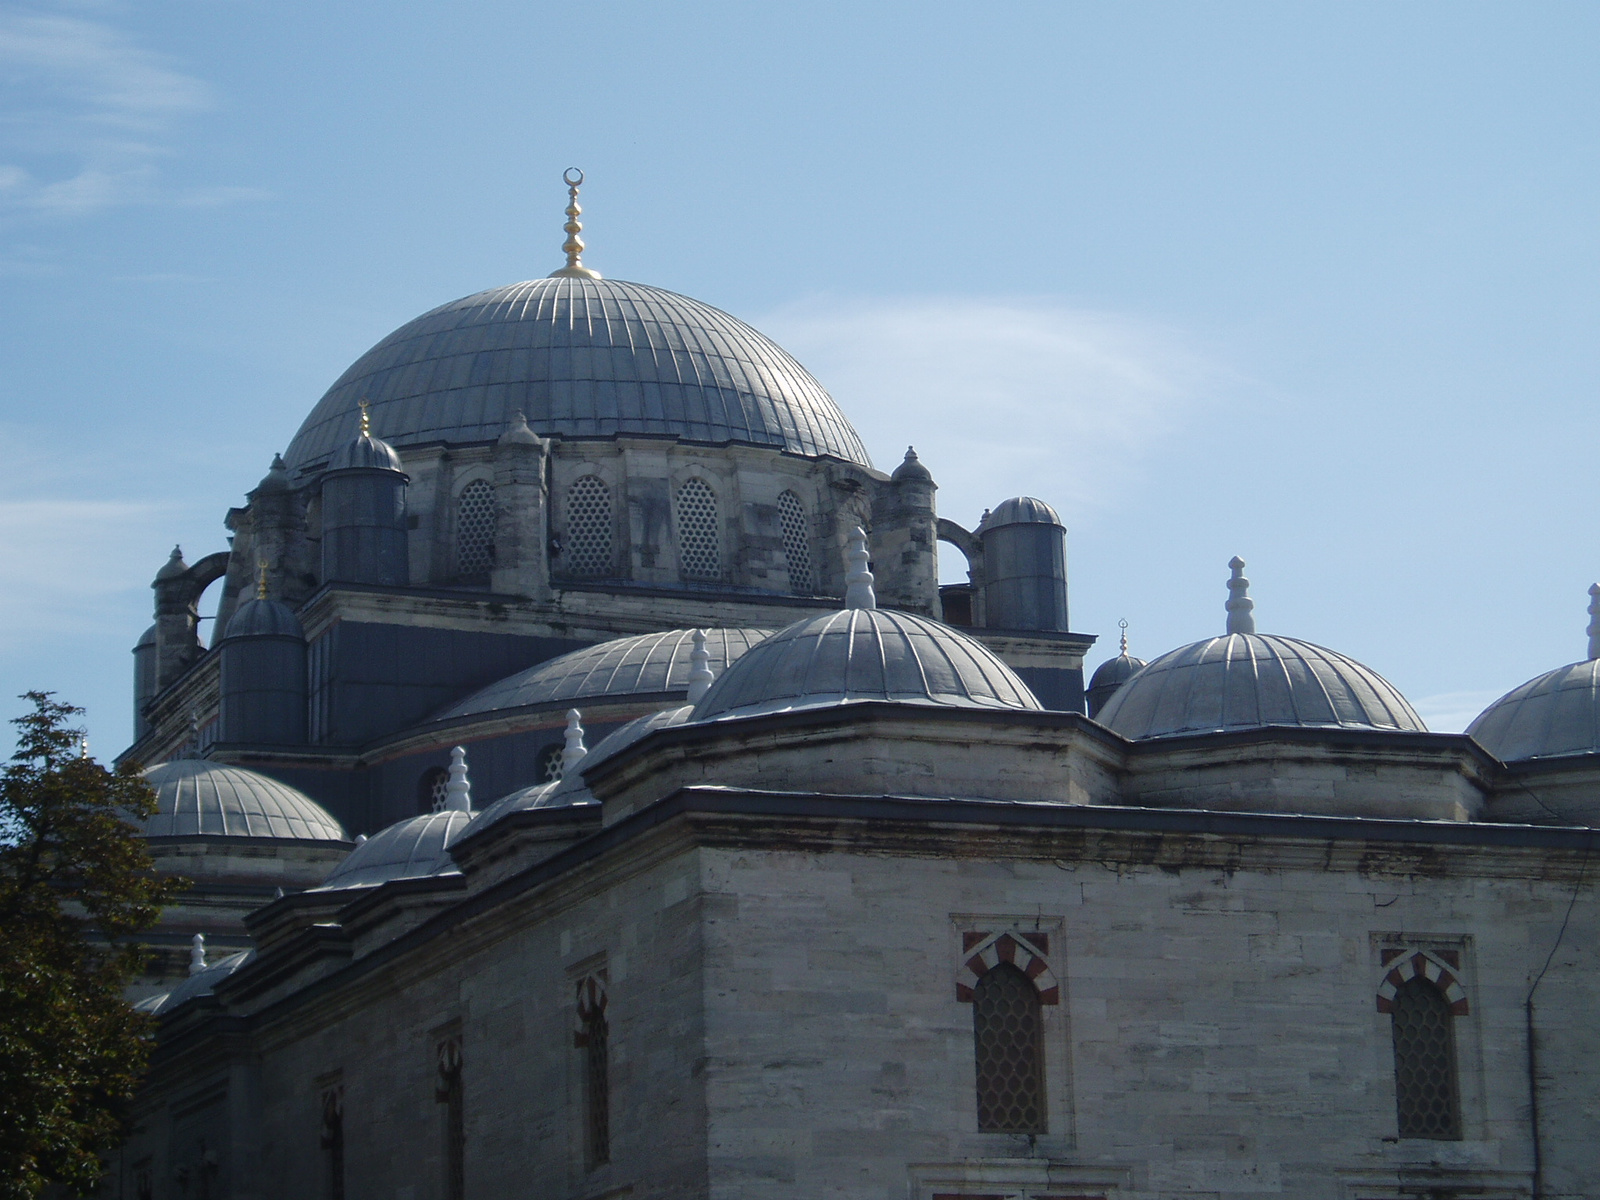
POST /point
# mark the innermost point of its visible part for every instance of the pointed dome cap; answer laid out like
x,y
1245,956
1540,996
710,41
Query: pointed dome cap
x,y
1554,715
277,477
174,567
1245,680
365,452
1021,510
408,849
196,798
911,468
864,653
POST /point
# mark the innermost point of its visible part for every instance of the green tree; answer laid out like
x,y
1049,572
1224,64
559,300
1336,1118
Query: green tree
x,y
76,885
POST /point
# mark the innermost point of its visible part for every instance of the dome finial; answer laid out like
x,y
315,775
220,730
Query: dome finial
x,y
458,791
1594,621
700,676
261,579
1123,625
365,406
858,591
197,954
1239,602
573,247
575,750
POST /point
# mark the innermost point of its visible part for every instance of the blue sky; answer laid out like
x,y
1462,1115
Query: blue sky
x,y
1312,284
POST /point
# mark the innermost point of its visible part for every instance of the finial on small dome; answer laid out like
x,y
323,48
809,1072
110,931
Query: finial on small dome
x,y
197,954
365,406
700,676
573,247
519,432
1594,621
261,579
1239,603
361,839
1123,625
458,791
858,580
575,750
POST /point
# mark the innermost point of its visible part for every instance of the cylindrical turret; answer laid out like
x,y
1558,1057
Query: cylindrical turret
x,y
364,514
263,684
1025,561
145,679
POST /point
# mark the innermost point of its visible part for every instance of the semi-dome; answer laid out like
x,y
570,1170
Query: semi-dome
x,y
1555,715
407,849
649,664
264,617
196,798
864,654
582,358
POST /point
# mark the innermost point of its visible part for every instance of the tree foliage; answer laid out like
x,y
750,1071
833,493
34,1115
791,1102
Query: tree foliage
x,y
76,884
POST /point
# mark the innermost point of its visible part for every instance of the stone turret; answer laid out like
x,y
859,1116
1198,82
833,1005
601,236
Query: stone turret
x,y
521,565
1025,559
905,539
263,674
364,514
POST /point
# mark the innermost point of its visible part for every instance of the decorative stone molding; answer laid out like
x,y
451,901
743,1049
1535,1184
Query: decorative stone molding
x,y
982,951
1409,962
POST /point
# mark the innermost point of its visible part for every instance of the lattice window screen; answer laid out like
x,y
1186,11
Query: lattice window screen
x,y
586,549
796,541
699,540
1008,1036
440,791
1427,1091
550,763
475,528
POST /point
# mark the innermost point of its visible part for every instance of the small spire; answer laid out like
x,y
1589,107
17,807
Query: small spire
x,y
700,676
1594,621
365,406
858,591
361,839
277,892
261,579
1239,603
575,749
1123,625
573,247
197,954
458,792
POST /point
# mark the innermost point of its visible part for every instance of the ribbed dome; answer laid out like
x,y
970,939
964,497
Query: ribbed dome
x,y
201,983
264,618
582,358
1108,677
196,798
1021,510
364,453
864,654
1247,680
1556,714
405,850
650,664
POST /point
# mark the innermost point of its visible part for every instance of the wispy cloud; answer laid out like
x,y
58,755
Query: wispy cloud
x,y
1055,401
89,117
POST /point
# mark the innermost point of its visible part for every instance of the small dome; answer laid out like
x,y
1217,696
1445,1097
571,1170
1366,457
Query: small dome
x,y
912,469
174,567
147,638
1554,715
864,654
195,798
648,665
201,983
1021,510
1109,676
407,849
365,453
277,477
1247,680
264,618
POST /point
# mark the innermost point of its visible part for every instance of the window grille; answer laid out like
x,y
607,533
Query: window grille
x,y
796,541
451,1099
699,538
550,762
432,788
593,1038
586,549
1427,1091
475,528
1008,1037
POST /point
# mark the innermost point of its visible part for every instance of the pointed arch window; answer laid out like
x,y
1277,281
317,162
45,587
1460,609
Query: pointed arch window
x,y
699,531
586,548
1426,1085
593,1037
1008,1036
796,541
475,528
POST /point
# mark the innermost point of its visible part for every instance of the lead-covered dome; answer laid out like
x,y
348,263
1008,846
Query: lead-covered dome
x,y
582,358
864,654
195,798
1247,680
1555,715
407,849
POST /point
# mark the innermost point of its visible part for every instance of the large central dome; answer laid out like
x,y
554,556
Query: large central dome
x,y
582,358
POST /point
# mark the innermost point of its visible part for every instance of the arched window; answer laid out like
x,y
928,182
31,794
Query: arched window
x,y
1427,1091
451,1096
475,528
1008,1036
431,790
586,548
699,533
796,541
593,1037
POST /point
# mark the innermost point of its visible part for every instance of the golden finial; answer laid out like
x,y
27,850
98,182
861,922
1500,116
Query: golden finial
x,y
573,246
261,580
366,417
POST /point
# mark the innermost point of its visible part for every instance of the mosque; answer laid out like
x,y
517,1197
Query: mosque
x,y
591,792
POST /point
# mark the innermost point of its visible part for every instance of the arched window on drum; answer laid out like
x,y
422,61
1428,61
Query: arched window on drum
x,y
586,544
475,528
699,531
796,542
